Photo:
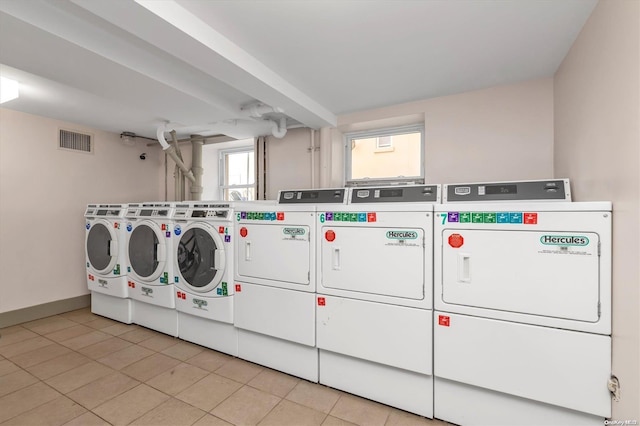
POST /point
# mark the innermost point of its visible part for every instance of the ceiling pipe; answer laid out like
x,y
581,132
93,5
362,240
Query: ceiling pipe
x,y
171,152
196,167
178,175
312,150
258,109
279,129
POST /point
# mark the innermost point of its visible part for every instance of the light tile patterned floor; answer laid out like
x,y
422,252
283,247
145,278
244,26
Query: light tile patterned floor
x,y
81,369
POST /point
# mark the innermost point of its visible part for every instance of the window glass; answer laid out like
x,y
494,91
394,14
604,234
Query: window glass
x,y
238,175
385,156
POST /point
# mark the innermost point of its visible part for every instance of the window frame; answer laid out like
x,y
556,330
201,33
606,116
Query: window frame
x,y
377,133
222,176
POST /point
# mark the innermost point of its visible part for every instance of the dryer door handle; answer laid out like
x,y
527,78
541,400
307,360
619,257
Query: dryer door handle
x,y
247,250
464,267
335,258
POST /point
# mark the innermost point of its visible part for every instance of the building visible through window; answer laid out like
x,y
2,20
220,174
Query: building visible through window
x,y
237,175
385,156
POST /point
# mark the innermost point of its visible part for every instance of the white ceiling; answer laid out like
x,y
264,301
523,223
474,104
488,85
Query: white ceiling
x,y
133,65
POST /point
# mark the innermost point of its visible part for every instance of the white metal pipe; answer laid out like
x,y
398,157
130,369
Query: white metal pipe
x,y
258,109
181,183
312,149
279,129
177,179
160,136
196,168
171,152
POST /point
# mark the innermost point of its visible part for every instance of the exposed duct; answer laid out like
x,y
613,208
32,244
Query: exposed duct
x,y
279,129
178,175
196,168
171,152
234,128
258,109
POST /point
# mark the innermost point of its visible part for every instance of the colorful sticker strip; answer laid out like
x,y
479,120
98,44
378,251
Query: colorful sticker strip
x,y
260,215
348,217
526,218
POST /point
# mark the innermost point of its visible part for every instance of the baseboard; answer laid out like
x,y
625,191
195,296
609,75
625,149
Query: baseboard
x,y
31,313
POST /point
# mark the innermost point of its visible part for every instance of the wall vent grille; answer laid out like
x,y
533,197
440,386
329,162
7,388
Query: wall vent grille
x,y
74,141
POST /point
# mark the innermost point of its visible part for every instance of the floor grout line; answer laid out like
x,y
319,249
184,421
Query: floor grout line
x,y
85,317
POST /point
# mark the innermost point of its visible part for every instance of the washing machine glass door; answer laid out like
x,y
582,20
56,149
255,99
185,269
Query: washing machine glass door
x,y
102,246
147,251
201,257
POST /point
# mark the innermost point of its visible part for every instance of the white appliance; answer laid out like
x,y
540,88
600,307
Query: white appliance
x,y
203,274
522,319
105,253
275,281
150,265
374,302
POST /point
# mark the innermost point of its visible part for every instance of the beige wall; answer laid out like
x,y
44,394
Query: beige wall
x,y
597,145
500,133
43,195
289,162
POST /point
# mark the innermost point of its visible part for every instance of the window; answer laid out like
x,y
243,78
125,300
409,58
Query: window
x,y
385,156
384,142
237,175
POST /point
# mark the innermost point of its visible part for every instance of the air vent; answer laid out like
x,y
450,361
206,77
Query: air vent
x,y
75,141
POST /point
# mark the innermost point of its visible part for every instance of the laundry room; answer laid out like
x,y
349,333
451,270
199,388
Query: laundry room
x,y
189,233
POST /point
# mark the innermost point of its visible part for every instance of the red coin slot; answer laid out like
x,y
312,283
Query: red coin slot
x,y
243,232
322,301
444,320
330,235
238,288
456,240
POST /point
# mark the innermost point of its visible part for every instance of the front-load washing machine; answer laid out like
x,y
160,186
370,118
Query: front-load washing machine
x,y
203,273
105,252
275,283
374,304
150,265
522,320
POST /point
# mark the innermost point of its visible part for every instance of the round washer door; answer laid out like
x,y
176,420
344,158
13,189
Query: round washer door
x,y
200,256
147,251
101,246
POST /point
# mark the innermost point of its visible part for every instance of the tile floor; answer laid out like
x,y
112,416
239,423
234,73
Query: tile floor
x,y
81,369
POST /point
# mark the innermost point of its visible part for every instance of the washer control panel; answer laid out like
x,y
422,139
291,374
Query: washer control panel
x,y
199,210
315,196
541,190
396,194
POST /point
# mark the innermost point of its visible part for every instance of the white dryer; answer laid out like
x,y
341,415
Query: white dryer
x,y
522,319
105,253
150,265
374,302
203,274
275,280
